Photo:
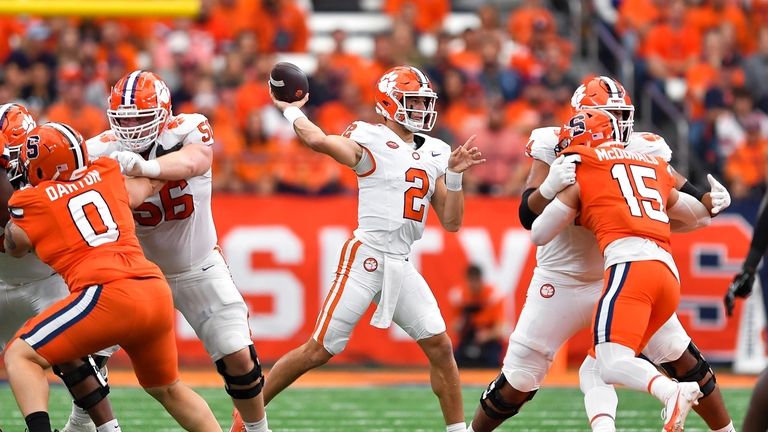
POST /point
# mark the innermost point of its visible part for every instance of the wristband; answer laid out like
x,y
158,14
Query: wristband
x,y
453,180
151,168
293,113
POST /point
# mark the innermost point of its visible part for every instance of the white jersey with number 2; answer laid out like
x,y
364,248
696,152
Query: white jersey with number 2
x,y
396,182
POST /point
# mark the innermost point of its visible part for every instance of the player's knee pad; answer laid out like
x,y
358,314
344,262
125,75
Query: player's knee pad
x,y
493,404
73,377
698,373
524,368
254,379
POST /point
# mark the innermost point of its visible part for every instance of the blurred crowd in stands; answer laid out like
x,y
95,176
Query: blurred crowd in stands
x,y
511,73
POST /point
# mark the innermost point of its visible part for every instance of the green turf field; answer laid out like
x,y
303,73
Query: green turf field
x,y
375,409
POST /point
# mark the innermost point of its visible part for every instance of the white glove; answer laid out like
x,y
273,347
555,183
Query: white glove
x,y
134,165
719,195
562,173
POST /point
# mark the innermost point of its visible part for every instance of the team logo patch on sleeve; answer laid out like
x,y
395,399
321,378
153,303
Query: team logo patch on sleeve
x,y
392,144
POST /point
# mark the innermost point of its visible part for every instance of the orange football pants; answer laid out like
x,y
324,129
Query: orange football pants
x,y
136,314
638,298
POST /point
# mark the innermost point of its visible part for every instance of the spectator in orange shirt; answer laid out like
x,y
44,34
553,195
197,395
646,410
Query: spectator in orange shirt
x,y
636,18
745,168
282,26
335,116
469,60
426,16
255,165
468,114
713,13
479,323
671,46
113,44
72,108
228,18
528,19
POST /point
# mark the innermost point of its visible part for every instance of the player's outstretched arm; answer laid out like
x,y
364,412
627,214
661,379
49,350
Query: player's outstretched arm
x,y
16,242
716,200
448,199
141,188
556,216
344,150
686,213
190,161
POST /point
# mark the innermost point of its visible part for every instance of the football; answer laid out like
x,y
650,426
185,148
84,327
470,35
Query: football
x,y
287,82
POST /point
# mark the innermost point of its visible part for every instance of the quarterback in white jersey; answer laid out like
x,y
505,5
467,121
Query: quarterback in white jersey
x,y
176,230
570,267
400,173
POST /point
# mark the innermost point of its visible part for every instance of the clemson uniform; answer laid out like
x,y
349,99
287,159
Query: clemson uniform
x,y
176,231
396,182
84,230
623,197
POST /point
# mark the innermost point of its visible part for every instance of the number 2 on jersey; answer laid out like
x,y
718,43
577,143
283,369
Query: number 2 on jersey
x,y
415,192
92,217
648,195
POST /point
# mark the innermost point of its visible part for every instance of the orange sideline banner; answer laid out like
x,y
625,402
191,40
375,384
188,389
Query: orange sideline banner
x,y
282,253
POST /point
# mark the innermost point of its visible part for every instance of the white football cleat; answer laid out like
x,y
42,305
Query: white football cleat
x,y
76,426
679,405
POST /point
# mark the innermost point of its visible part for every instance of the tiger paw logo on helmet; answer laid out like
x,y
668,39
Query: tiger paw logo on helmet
x,y
387,82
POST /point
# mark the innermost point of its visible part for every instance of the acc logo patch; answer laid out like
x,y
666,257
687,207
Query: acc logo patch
x,y
392,144
416,156
547,290
370,264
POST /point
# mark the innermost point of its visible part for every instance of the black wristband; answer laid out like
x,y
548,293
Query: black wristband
x,y
527,216
692,190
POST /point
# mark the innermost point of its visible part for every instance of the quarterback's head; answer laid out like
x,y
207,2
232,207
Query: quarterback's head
x,y
403,95
139,109
607,93
589,127
54,151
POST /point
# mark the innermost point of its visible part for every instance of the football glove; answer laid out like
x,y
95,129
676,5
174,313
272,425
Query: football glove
x,y
740,287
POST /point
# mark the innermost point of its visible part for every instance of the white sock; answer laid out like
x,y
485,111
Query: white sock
x,y
600,399
259,426
110,426
603,424
456,427
662,387
728,428
79,415
618,365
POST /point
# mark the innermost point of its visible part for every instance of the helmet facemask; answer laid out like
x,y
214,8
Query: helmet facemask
x,y
625,117
136,129
414,119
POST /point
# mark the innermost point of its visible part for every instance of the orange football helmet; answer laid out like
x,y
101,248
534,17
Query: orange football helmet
x,y
139,109
15,124
395,93
606,93
54,151
589,127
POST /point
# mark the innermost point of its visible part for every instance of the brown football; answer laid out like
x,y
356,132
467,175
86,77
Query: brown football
x,y
287,82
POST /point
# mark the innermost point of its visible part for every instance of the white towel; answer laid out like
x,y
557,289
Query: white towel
x,y
390,291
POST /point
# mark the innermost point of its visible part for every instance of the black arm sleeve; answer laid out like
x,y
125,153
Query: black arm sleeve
x,y
692,190
527,216
759,242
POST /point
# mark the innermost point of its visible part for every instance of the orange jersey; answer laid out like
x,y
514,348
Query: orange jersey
x,y
623,194
84,229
